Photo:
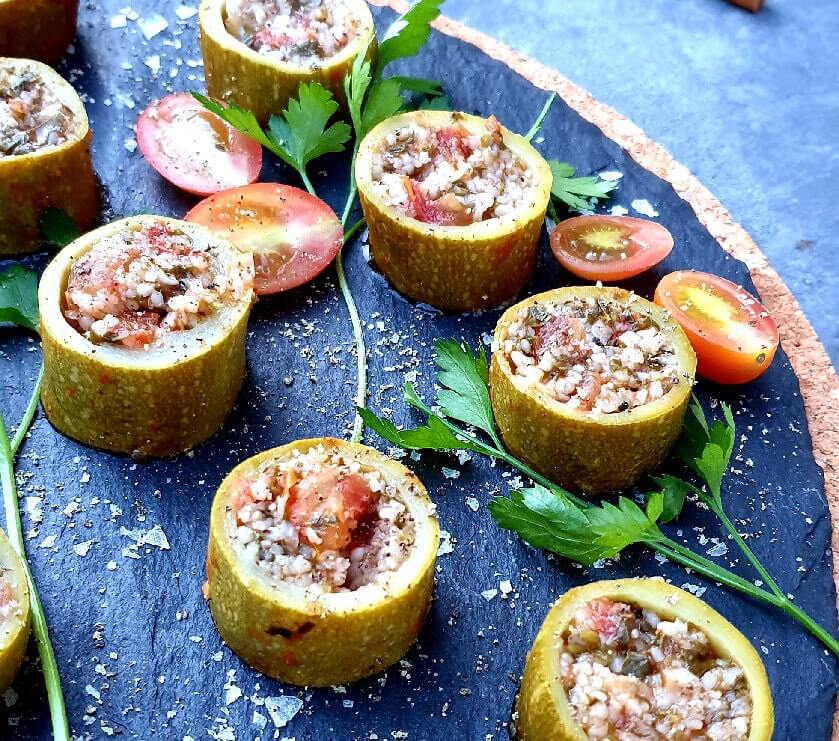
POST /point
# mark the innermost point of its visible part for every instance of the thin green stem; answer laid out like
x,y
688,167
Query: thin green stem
x,y
350,233
29,414
537,124
52,678
308,183
749,553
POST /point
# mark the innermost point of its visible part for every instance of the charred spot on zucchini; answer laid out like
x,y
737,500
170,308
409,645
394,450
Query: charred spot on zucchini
x,y
332,546
454,206
639,658
590,385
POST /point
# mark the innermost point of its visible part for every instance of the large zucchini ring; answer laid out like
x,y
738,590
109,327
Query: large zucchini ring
x,y
544,712
59,176
589,451
235,73
308,635
37,29
148,401
14,612
455,268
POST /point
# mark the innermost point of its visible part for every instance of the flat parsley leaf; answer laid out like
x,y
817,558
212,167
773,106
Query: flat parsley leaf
x,y
19,297
464,378
385,100
58,228
577,192
616,527
407,34
673,493
433,436
548,520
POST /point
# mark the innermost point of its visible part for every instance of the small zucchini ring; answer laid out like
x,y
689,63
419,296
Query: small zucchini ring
x,y
543,709
37,29
14,612
453,267
300,631
160,398
235,73
578,444
59,176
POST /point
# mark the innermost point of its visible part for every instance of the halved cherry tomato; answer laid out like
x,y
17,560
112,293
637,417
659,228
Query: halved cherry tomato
x,y
609,248
733,336
194,149
293,235
332,505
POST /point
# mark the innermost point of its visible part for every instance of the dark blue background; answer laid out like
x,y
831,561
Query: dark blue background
x,y
137,651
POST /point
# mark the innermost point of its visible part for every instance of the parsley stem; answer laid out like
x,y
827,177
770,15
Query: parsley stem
x,y
537,124
52,678
29,414
308,183
350,233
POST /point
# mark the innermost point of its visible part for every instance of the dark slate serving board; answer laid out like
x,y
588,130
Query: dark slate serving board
x,y
137,651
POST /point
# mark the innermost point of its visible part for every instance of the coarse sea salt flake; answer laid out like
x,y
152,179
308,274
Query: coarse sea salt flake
x,y
83,548
153,25
489,594
611,175
153,63
119,21
644,207
48,542
185,12
446,545
618,211
473,503
283,708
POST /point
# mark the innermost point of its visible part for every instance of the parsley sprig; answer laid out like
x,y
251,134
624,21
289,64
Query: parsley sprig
x,y
19,306
547,516
577,193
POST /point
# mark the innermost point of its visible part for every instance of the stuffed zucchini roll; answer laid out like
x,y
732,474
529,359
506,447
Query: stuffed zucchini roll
x,y
639,658
589,385
14,612
37,29
258,52
454,206
143,327
321,561
44,153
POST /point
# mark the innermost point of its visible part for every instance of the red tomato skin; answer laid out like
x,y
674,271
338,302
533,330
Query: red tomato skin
x,y
658,240
715,362
275,206
244,159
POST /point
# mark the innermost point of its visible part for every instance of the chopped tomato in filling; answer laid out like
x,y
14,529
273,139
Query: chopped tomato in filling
x,y
136,285
320,519
449,176
630,674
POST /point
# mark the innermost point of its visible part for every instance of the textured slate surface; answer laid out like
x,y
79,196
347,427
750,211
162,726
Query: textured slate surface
x,y
137,651
757,92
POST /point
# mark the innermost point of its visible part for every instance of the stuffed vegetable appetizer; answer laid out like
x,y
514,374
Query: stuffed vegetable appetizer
x,y
321,561
44,153
143,326
454,207
14,612
37,29
638,658
258,52
589,385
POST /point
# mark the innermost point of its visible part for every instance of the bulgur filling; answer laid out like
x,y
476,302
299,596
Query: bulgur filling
x,y
31,115
449,176
592,354
630,675
137,285
301,32
321,518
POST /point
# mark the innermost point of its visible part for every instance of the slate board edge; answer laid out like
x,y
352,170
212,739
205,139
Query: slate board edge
x,y
817,377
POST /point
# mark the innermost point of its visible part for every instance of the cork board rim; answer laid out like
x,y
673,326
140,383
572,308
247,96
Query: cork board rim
x,y
810,362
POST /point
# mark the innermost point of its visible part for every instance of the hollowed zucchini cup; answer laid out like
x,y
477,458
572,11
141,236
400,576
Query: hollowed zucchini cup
x,y
54,177
331,637
591,452
454,268
235,73
37,29
14,627
543,710
154,401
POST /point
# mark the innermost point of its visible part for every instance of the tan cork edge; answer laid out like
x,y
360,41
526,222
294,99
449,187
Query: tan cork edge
x,y
816,376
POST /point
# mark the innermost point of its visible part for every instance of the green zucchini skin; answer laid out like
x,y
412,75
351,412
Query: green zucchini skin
x,y
593,454
237,74
542,709
337,639
126,405
59,177
14,634
454,268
